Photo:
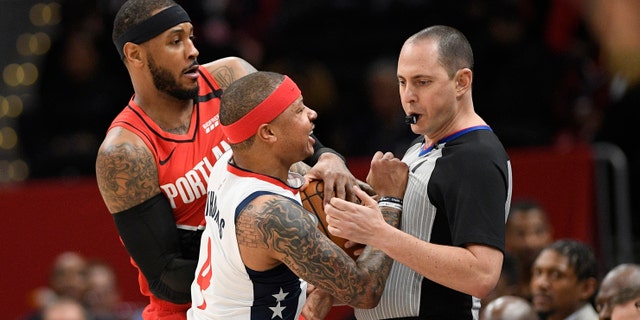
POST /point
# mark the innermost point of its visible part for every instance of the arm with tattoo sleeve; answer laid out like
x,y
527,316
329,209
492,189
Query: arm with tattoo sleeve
x,y
127,179
291,236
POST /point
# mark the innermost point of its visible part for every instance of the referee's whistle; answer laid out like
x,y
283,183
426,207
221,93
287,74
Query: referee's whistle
x,y
411,119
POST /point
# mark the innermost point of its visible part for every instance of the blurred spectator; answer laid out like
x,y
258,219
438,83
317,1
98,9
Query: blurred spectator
x,y
626,304
623,276
81,89
68,279
65,309
39,298
69,275
102,298
509,308
528,231
564,280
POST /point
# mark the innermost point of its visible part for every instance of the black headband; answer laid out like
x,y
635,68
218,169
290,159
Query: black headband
x,y
152,27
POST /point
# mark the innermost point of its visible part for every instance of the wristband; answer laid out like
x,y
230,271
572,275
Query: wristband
x,y
389,204
391,199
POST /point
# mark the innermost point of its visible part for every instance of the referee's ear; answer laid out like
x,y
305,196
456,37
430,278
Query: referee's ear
x,y
463,79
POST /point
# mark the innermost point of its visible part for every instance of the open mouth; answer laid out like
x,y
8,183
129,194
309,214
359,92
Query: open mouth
x,y
311,139
311,136
191,70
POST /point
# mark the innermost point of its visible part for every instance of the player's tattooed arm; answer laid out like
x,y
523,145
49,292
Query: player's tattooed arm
x,y
288,231
126,174
391,216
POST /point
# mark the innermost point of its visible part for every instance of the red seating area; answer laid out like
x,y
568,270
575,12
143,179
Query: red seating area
x,y
44,218
561,180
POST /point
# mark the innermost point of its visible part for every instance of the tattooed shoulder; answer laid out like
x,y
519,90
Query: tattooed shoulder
x,y
126,175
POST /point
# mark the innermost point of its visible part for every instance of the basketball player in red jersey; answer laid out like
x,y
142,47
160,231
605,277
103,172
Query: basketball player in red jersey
x,y
153,165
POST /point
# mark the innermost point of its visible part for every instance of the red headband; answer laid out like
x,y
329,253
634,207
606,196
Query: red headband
x,y
281,98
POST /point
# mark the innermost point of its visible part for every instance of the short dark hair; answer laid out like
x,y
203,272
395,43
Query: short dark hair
x,y
525,206
133,12
245,94
454,48
625,295
580,256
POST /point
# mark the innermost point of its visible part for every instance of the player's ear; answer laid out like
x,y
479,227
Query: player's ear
x,y
266,133
588,287
133,53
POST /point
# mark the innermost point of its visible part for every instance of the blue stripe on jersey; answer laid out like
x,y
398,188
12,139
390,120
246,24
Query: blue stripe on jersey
x,y
450,137
254,195
277,293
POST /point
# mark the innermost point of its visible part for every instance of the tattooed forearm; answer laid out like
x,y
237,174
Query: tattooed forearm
x,y
391,216
126,176
307,252
286,228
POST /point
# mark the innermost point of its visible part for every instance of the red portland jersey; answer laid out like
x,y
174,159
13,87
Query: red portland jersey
x,y
184,161
184,164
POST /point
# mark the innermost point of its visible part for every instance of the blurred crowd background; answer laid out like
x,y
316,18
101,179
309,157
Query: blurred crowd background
x,y
548,73
540,76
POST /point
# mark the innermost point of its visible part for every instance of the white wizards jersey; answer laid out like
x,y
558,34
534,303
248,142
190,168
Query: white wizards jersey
x,y
224,288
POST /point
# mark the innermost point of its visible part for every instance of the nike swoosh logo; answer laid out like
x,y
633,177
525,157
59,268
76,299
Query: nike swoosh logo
x,y
163,162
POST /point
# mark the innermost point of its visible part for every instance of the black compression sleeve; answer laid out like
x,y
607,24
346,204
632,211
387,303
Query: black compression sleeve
x,y
319,149
150,236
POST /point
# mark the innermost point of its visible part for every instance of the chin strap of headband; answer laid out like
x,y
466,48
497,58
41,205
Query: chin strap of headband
x,y
281,98
151,27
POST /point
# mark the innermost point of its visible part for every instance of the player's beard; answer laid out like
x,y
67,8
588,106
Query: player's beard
x,y
165,82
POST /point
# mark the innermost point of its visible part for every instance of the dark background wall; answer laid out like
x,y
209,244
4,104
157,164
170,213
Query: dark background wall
x,y
542,80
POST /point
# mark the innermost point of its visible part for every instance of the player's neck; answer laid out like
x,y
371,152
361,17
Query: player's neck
x,y
257,162
171,114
